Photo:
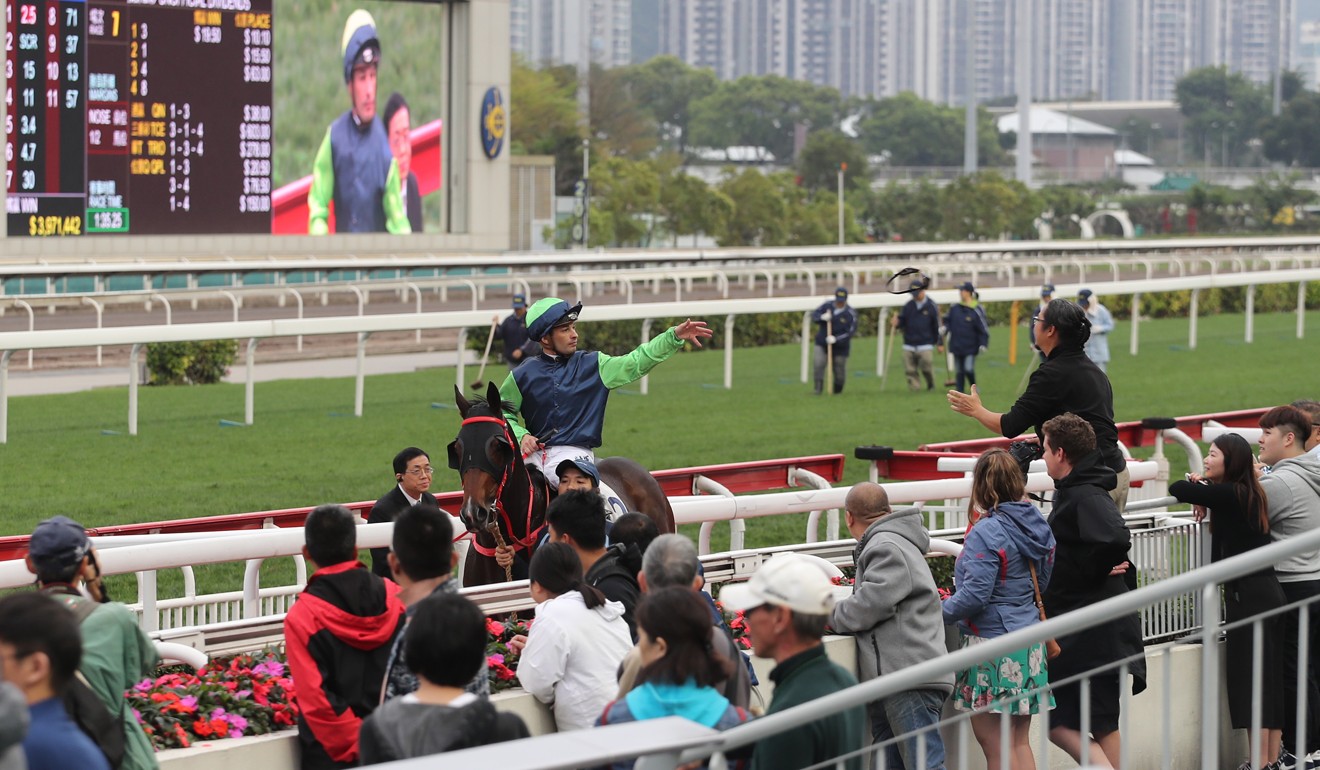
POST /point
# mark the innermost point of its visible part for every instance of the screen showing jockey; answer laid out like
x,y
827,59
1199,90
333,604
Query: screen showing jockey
x,y
558,397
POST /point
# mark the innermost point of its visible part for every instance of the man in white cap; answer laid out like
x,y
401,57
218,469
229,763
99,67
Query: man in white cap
x,y
355,166
559,396
786,606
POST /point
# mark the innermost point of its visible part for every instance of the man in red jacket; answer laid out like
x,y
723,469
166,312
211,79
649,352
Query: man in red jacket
x,y
338,636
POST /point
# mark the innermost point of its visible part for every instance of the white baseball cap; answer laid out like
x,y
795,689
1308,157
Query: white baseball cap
x,y
785,580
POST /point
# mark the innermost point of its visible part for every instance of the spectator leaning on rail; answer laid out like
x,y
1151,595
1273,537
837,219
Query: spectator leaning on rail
x,y
422,559
1090,565
967,333
1292,492
1239,517
680,672
577,519
919,321
558,398
39,654
573,649
512,331
413,474
994,596
1068,381
116,654
836,323
670,562
446,650
338,635
1102,323
894,612
787,605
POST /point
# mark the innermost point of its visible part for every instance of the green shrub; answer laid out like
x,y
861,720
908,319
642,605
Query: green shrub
x,y
190,363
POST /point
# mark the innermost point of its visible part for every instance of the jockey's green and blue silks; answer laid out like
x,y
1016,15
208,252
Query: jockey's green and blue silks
x,y
568,394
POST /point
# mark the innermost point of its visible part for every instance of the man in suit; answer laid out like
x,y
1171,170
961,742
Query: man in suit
x,y
412,469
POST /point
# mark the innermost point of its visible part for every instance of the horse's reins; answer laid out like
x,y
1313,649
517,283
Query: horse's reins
x,y
532,534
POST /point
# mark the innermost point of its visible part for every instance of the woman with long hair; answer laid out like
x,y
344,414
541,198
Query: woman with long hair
x,y
994,596
679,667
1239,522
575,645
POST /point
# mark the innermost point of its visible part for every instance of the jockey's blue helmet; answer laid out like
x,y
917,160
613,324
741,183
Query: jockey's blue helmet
x,y
546,314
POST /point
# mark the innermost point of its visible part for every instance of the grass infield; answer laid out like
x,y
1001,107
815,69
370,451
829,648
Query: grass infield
x,y
70,454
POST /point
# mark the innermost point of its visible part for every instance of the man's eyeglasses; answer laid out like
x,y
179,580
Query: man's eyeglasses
x,y
425,470
1035,319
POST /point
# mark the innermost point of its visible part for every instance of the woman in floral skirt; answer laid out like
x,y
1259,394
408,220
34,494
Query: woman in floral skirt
x,y
994,596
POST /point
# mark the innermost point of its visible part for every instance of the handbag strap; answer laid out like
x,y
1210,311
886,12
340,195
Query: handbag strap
x,y
1035,585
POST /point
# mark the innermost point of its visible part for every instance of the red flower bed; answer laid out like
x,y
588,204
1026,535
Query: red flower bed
x,y
227,698
503,662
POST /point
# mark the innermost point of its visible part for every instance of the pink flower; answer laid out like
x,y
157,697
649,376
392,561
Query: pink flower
x,y
494,627
189,702
495,660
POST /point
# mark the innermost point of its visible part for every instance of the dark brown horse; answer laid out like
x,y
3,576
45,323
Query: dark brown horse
x,y
501,491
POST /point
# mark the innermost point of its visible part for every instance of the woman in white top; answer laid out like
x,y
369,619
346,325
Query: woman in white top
x,y
573,651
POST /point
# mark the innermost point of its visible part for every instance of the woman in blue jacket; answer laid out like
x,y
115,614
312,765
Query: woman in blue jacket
x,y
679,668
967,334
993,597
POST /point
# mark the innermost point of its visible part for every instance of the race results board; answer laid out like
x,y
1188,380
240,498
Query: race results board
x,y
138,116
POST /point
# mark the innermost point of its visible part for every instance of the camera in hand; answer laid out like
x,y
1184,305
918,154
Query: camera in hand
x,y
1025,452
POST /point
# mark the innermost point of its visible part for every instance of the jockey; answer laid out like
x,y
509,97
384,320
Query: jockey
x,y
558,398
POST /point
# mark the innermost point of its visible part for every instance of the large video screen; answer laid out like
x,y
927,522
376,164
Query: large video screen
x,y
152,117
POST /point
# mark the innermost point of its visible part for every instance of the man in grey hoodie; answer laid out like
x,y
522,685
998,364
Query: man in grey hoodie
x,y
894,612
1292,492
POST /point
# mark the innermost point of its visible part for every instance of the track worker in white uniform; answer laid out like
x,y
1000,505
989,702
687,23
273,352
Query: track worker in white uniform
x,y
558,398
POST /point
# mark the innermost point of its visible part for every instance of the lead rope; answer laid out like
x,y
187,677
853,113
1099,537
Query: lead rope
x,y
494,528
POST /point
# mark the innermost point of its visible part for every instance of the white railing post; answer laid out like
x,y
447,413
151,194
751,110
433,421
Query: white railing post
x,y
233,300
298,296
1250,332
645,385
880,332
169,311
801,477
4,395
1136,322
461,355
32,324
147,597
1302,312
806,346
728,352
1191,320
133,378
249,385
361,373
252,589
737,527
99,310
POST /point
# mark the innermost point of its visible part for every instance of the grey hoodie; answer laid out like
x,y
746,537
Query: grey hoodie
x,y
894,610
1292,489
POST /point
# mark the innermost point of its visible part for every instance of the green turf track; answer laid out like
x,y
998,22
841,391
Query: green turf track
x,y
70,454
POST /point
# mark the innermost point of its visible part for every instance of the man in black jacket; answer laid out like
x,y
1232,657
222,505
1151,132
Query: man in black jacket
x,y
1068,381
578,518
413,472
1090,565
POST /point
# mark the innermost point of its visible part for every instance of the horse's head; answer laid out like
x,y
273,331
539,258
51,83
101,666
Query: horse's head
x,y
484,454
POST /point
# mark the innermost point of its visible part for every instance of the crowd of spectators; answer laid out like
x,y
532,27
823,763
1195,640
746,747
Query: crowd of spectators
x,y
393,666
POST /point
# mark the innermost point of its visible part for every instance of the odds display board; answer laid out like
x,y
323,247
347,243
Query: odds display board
x,y
161,117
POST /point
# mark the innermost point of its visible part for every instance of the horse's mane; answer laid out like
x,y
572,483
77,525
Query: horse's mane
x,y
506,407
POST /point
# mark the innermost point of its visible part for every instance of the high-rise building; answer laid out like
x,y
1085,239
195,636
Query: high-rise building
x,y
943,49
564,31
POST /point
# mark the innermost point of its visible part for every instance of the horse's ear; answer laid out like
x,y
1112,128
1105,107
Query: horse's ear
x,y
463,404
493,398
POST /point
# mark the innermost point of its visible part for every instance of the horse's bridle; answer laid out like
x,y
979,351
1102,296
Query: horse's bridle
x,y
457,464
